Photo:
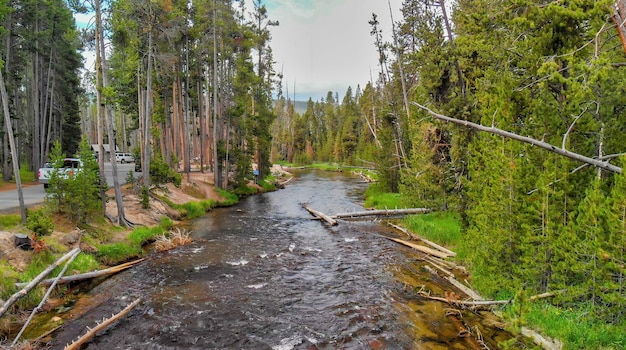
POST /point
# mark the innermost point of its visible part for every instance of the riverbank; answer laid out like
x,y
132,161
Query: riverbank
x,y
102,243
574,328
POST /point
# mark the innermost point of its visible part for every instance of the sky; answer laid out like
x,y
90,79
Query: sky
x,y
322,45
325,45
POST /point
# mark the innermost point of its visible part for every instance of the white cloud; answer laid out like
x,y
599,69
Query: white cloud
x,y
325,45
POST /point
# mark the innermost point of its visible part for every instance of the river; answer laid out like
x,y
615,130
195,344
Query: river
x,y
264,275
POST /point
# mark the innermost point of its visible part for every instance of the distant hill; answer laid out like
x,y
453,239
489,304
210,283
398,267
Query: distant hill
x,y
300,106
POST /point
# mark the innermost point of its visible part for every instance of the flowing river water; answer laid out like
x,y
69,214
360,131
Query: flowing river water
x,y
263,275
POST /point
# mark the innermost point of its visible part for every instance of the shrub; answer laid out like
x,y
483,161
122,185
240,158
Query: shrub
x,y
145,197
77,196
130,177
161,173
39,222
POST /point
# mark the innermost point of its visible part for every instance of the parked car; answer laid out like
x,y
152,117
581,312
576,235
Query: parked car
x,y
124,158
70,167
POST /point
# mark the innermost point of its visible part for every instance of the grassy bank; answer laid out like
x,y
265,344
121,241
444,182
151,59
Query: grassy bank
x,y
575,328
103,245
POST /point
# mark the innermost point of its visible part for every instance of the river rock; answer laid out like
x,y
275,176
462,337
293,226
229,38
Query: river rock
x,y
71,238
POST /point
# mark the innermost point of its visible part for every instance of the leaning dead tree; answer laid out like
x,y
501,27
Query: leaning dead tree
x,y
552,148
32,284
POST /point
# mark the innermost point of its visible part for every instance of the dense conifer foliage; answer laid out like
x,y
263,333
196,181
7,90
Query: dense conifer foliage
x,y
533,221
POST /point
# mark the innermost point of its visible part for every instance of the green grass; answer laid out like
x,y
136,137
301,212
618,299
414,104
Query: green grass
x,y
10,220
84,263
117,253
575,328
230,198
244,191
441,227
143,235
268,184
8,276
25,174
378,199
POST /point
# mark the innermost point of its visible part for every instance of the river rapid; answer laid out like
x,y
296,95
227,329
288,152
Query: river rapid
x,y
264,275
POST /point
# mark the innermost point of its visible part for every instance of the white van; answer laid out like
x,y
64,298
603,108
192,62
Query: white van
x,y
124,158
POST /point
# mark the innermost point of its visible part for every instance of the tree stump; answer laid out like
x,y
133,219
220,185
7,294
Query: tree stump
x,y
22,241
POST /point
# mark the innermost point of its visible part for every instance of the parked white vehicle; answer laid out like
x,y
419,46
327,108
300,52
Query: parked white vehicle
x,y
70,167
124,158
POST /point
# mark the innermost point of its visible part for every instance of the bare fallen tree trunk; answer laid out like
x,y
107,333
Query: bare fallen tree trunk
x,y
28,286
541,144
463,288
420,238
320,215
421,248
545,342
466,302
45,297
382,212
104,324
89,275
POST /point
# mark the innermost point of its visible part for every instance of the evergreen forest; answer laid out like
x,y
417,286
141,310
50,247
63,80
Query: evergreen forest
x,y
533,220
181,83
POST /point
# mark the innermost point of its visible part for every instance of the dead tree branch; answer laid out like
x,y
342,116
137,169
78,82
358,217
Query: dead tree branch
x,y
534,142
27,287
104,324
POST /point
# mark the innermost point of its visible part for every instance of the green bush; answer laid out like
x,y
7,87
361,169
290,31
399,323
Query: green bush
x,y
77,196
161,173
130,177
39,222
145,197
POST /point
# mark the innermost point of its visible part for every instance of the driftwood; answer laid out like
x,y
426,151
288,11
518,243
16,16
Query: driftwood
x,y
445,263
457,302
463,288
382,212
464,332
441,268
541,144
28,286
432,244
421,248
45,297
320,215
545,342
104,324
89,275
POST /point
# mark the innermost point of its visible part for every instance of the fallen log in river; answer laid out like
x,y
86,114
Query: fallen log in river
x,y
88,275
320,215
381,212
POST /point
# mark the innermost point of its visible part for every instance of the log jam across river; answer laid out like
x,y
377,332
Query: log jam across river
x,y
263,275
